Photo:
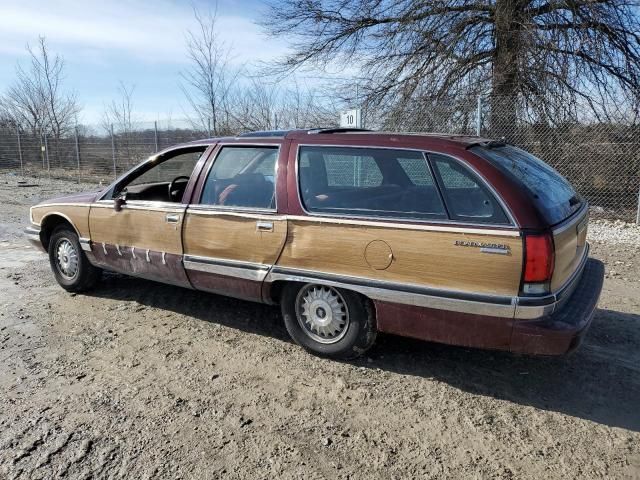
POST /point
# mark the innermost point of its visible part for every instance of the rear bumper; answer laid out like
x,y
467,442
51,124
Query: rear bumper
x,y
32,234
562,331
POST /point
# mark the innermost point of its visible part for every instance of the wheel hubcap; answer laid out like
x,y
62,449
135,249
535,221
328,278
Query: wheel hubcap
x,y
322,313
66,258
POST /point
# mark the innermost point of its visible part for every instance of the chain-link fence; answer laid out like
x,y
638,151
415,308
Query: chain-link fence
x,y
597,147
598,152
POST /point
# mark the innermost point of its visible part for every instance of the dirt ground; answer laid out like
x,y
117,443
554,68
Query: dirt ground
x,y
142,380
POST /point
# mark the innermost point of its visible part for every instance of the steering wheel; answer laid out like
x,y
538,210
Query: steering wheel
x,y
172,186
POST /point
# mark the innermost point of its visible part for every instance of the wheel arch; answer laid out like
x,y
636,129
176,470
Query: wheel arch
x,y
49,222
276,289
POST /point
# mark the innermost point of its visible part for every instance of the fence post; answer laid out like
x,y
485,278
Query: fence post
x,y
155,129
479,117
20,151
77,152
638,211
46,154
113,153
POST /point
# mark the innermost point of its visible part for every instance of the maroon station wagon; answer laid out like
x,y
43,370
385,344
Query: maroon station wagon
x,y
452,239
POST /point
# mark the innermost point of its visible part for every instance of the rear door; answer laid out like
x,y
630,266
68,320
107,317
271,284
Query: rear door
x,y
232,232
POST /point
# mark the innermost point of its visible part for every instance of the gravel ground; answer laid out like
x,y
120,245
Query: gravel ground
x,y
141,380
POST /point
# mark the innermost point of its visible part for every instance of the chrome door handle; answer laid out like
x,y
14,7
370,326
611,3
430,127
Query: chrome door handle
x,y
264,226
172,218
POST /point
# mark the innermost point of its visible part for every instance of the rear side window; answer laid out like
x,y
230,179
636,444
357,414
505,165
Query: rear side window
x,y
368,182
242,177
552,194
467,198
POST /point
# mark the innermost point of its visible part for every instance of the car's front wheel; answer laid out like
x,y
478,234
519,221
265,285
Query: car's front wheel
x,y
328,321
69,264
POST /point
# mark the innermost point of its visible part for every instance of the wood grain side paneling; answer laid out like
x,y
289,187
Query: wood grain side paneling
x,y
569,247
144,229
420,257
232,237
78,215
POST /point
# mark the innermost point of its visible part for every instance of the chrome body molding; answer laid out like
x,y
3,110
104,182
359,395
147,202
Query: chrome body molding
x,y
406,294
168,207
516,307
85,244
230,268
211,210
68,204
346,220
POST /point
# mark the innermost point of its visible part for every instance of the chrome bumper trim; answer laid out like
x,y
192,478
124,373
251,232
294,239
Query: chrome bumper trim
x,y
32,233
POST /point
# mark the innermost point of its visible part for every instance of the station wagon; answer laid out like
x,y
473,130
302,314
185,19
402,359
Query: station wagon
x,y
452,239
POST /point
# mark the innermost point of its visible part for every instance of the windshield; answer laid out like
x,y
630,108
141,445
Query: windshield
x,y
552,194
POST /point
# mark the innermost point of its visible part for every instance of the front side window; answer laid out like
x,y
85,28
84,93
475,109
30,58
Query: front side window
x,y
163,179
242,177
466,197
368,182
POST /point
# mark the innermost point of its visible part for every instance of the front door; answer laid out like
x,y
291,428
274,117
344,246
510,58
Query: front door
x,y
144,236
232,231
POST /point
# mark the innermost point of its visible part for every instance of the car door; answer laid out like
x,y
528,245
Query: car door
x,y
136,228
232,231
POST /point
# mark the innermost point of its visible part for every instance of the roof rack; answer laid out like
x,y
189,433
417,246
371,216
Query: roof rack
x,y
265,133
337,130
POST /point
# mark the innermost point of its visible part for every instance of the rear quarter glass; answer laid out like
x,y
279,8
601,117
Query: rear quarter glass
x,y
549,191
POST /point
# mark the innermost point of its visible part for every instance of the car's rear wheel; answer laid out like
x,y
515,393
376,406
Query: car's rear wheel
x,y
328,321
69,264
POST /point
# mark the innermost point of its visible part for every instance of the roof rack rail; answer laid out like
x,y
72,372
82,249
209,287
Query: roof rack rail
x,y
337,130
265,133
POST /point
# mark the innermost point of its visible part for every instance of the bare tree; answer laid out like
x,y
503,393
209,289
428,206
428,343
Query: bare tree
x,y
119,112
118,119
37,100
208,81
514,49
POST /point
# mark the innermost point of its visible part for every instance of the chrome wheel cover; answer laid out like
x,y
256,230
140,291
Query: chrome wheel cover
x,y
66,258
322,313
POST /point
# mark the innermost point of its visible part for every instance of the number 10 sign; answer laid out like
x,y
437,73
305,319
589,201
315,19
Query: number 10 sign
x,y
351,118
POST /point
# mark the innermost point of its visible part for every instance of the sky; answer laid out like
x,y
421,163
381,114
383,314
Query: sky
x,y
141,43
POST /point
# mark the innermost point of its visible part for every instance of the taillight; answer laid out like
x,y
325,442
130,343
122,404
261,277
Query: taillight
x,y
538,264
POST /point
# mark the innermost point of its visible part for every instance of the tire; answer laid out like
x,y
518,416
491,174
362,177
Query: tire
x,y
351,328
69,264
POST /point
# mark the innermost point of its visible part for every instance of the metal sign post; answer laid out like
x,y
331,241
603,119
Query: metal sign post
x,y
20,151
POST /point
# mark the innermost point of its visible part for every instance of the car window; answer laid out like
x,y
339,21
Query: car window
x,y
242,177
368,182
163,179
550,192
466,197
181,165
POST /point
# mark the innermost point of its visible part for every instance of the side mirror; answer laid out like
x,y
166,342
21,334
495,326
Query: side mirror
x,y
119,202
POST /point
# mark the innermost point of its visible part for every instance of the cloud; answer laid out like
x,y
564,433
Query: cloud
x,y
148,31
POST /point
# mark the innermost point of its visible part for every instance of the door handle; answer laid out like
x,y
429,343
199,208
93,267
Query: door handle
x,y
264,226
172,218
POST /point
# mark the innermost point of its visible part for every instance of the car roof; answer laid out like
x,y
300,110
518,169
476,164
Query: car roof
x,y
304,134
